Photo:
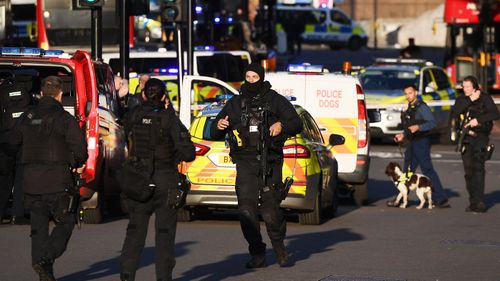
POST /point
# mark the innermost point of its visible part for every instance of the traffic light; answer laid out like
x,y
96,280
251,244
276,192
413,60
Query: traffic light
x,y
87,4
173,11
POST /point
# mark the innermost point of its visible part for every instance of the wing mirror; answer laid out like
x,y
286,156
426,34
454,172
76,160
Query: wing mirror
x,y
336,139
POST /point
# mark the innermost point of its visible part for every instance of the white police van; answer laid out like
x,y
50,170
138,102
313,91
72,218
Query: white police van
x,y
322,26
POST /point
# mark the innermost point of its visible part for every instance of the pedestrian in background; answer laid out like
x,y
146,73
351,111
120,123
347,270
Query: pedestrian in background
x,y
52,144
480,111
412,51
244,113
417,122
158,142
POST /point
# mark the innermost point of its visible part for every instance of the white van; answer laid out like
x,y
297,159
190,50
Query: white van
x,y
322,26
227,66
337,103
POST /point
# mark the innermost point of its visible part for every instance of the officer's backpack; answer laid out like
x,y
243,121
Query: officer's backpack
x,y
15,99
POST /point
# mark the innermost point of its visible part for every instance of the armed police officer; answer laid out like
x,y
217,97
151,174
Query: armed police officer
x,y
418,121
252,139
53,144
479,112
158,142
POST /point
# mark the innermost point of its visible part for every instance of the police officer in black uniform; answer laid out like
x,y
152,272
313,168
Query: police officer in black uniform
x,y
479,112
158,137
243,114
52,144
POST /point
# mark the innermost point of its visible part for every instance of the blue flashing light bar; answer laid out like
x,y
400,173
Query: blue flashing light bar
x,y
198,9
29,52
230,19
308,68
217,20
204,48
291,98
166,70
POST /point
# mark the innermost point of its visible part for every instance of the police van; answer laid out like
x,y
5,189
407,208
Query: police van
x,y
335,101
329,26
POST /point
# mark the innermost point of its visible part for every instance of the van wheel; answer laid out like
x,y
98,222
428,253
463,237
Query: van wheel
x,y
92,216
313,217
360,193
184,215
354,43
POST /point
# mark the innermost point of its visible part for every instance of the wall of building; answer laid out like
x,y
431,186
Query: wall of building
x,y
364,9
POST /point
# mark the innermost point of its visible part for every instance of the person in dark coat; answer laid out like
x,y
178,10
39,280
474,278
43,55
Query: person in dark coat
x,y
479,112
53,144
158,138
244,114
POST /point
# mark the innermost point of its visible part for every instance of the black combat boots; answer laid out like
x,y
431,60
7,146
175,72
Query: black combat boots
x,y
281,254
44,270
257,261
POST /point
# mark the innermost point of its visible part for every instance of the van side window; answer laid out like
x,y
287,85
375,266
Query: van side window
x,y
340,18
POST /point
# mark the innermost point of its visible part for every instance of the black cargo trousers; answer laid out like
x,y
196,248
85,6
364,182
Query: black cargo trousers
x,y
474,158
165,226
248,182
51,245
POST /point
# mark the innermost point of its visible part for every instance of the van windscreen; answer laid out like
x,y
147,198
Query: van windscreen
x,y
225,67
145,65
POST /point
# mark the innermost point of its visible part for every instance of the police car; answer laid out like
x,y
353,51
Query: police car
x,y
335,101
322,26
383,84
88,94
306,158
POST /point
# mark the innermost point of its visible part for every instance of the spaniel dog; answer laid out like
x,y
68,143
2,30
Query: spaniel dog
x,y
408,182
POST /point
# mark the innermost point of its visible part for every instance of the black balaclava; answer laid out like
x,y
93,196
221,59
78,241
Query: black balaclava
x,y
253,89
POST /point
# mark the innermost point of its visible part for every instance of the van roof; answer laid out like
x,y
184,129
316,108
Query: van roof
x,y
304,8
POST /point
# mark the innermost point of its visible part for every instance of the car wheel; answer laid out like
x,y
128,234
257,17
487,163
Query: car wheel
x,y
184,215
313,217
92,216
354,43
360,193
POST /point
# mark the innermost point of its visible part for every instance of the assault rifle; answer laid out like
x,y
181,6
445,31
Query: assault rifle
x,y
284,188
75,199
264,149
463,131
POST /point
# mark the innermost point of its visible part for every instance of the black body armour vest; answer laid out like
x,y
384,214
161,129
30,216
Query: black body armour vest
x,y
41,141
150,139
410,118
252,121
475,110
